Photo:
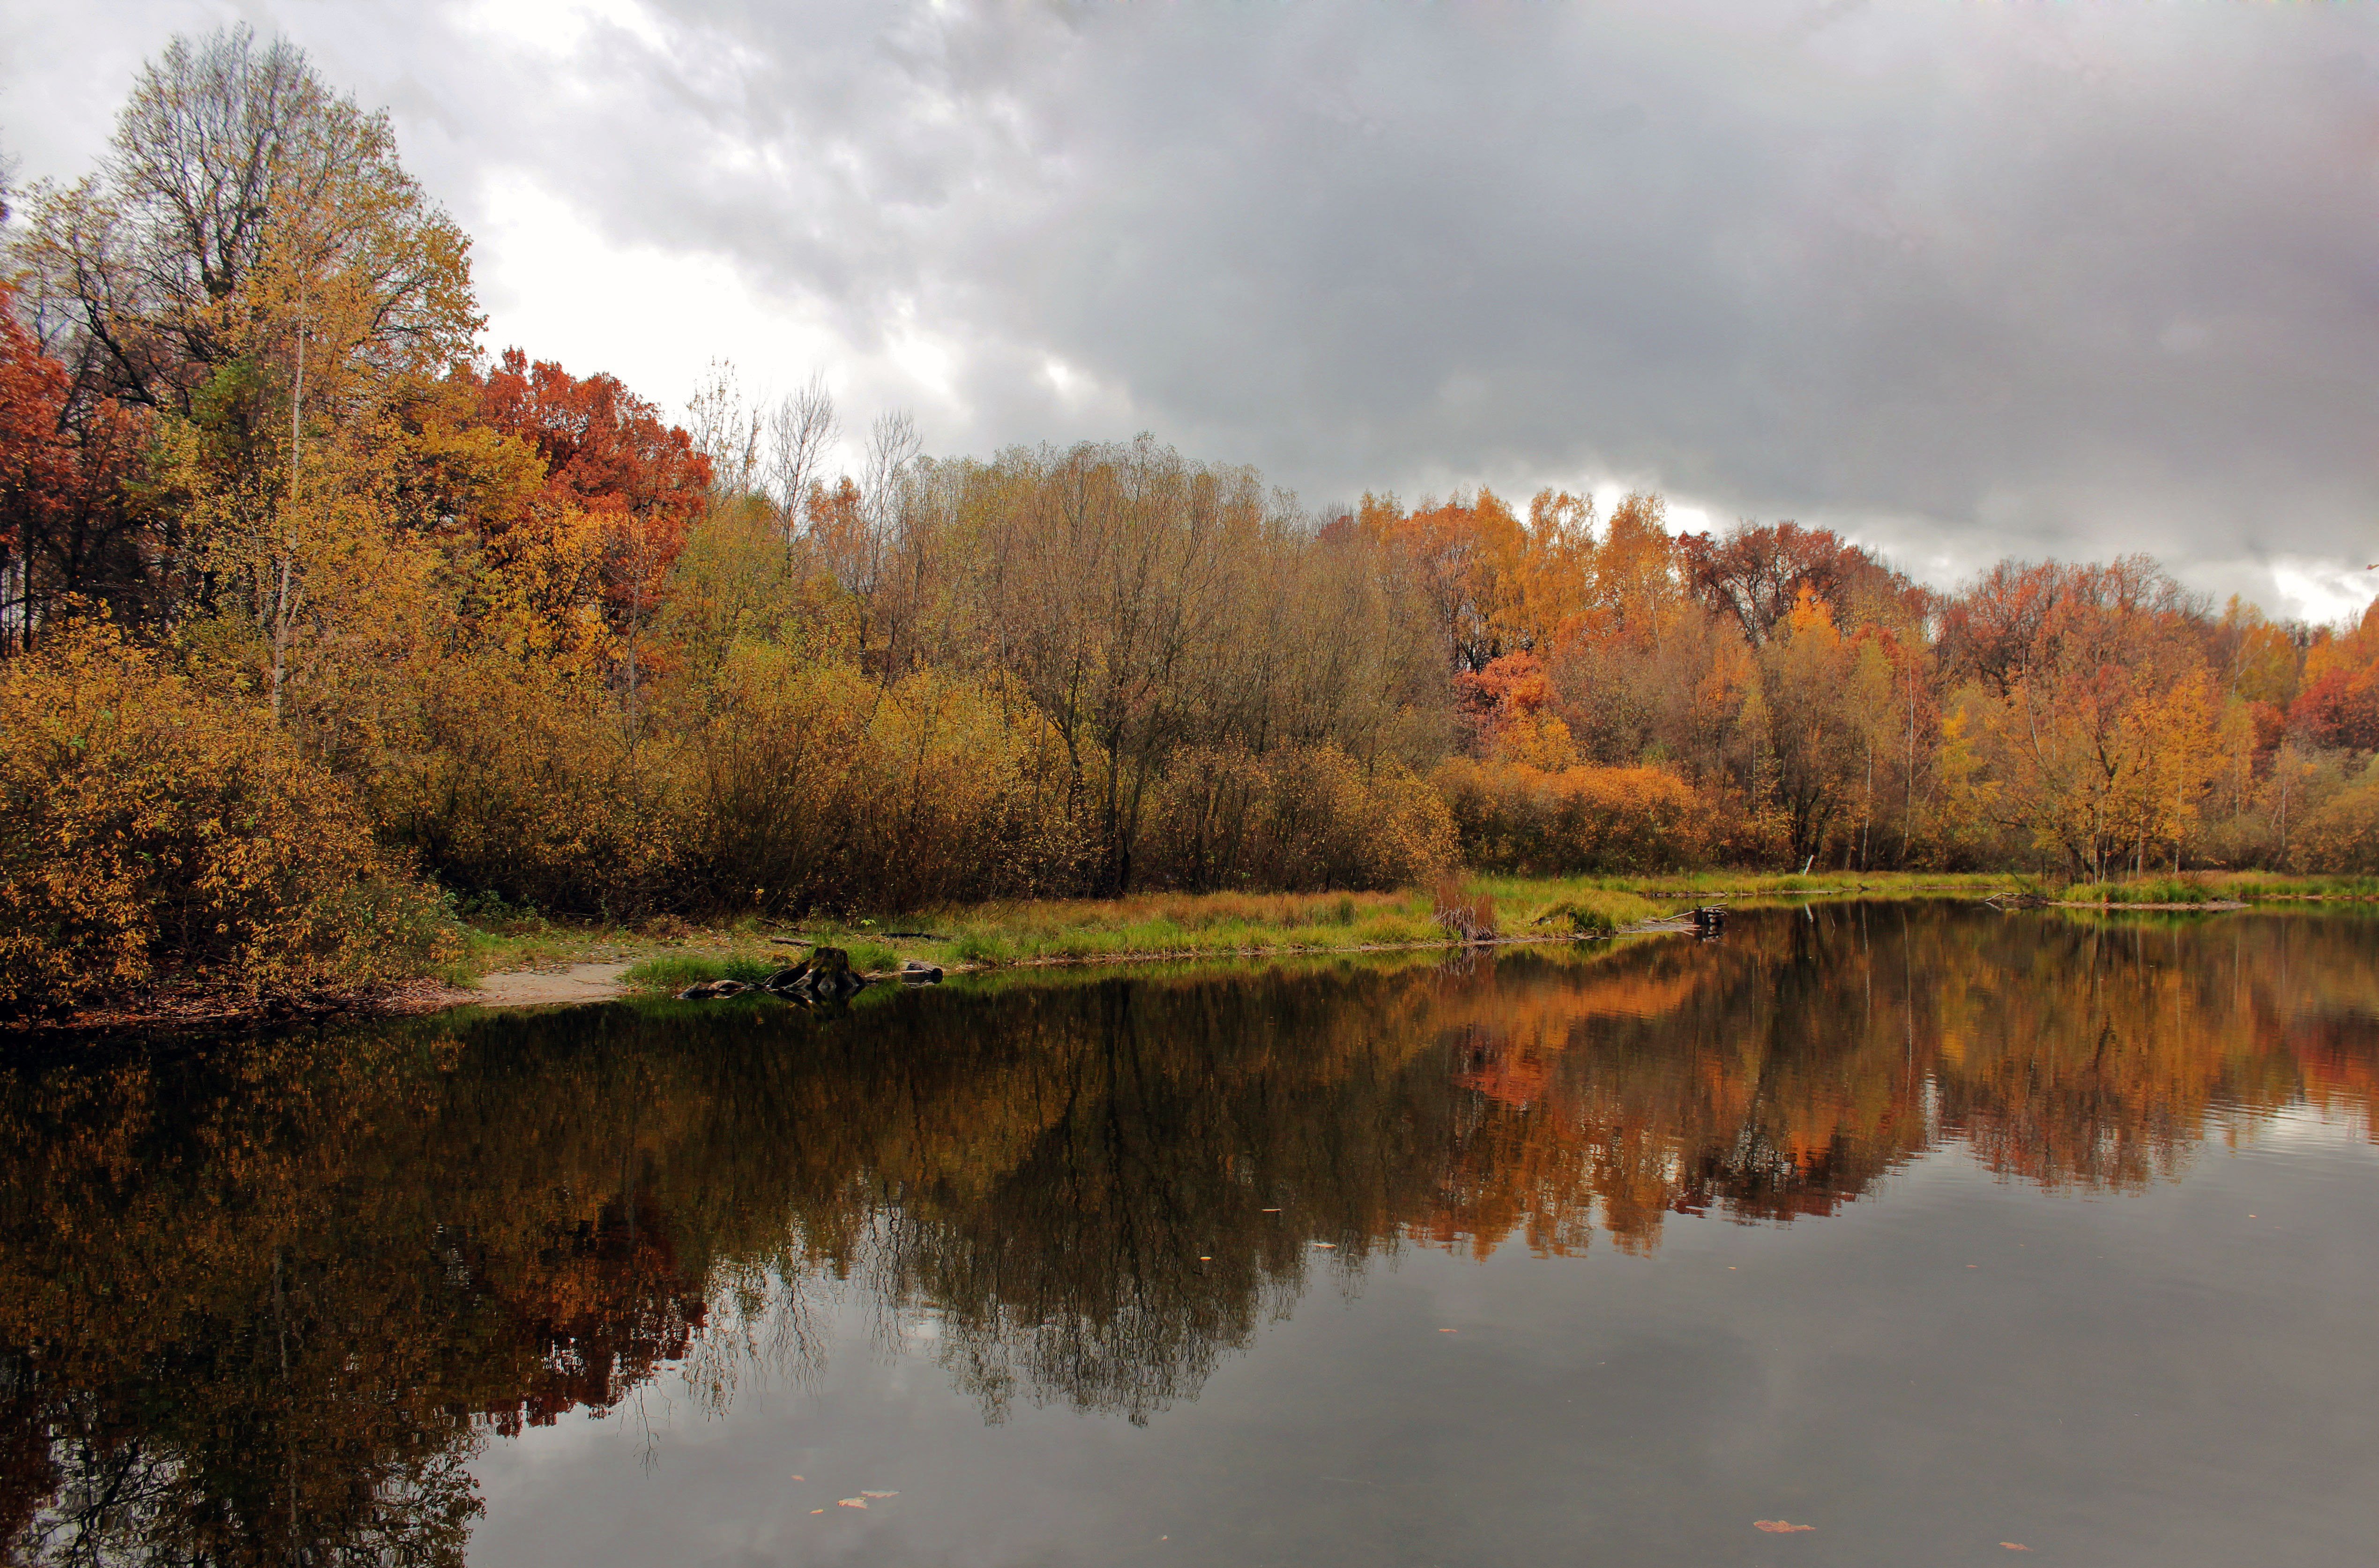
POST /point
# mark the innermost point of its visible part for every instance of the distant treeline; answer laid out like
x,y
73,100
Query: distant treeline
x,y
315,618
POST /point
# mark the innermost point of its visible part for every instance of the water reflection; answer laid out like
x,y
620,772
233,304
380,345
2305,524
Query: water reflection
x,y
265,1302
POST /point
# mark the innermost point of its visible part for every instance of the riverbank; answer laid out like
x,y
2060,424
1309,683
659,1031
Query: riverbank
x,y
526,959
666,956
1172,927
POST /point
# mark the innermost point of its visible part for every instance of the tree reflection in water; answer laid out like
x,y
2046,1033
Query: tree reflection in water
x,y
262,1302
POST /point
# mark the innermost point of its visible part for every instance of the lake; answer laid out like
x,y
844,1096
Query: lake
x,y
1869,1233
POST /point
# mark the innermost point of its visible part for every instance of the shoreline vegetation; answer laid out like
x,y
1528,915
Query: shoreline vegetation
x,y
1224,927
343,652
1217,928
657,958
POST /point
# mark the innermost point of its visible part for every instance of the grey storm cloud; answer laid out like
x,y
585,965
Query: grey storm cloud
x,y
1968,281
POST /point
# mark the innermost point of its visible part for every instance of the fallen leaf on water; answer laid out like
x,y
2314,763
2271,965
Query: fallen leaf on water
x,y
797,1477
1779,1526
879,1495
1449,1330
2015,1546
849,1503
817,1510
1327,1246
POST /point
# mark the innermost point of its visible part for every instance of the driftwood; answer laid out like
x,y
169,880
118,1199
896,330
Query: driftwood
x,y
825,976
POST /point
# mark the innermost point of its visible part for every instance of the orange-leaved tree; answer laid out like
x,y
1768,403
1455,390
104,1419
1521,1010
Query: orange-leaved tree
x,y
609,457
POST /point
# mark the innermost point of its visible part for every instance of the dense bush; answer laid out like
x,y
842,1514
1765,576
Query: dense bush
x,y
802,784
157,830
510,780
786,783
1299,818
2341,835
1525,820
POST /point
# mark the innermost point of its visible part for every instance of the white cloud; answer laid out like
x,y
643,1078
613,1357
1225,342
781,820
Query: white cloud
x,y
2319,592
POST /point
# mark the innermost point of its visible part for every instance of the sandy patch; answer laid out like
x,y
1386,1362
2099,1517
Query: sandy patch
x,y
549,987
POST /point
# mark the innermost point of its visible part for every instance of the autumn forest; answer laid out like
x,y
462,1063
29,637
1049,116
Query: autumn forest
x,y
321,617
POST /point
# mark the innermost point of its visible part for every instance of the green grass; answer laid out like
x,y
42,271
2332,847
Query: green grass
x,y
2144,891
1168,924
666,957
1548,905
2217,886
1181,924
2251,884
673,973
1700,885
669,955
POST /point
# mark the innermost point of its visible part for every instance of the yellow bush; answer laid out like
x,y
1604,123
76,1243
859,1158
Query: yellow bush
x,y
1297,818
159,834
1524,820
809,785
518,777
2341,837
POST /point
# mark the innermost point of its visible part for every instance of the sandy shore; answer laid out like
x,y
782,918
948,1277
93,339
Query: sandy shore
x,y
547,987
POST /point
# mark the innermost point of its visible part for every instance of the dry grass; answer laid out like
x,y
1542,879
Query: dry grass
x,y
1464,915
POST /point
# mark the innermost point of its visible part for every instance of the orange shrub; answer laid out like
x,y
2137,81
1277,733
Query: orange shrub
x,y
1529,822
159,833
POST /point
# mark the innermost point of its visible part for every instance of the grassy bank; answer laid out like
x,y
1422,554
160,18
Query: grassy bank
x,y
654,982
1146,928
1151,928
2197,887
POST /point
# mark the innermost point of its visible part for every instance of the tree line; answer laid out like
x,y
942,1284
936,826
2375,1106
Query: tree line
x,y
314,618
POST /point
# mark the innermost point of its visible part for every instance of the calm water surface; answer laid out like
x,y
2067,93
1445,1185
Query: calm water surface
x,y
1937,1231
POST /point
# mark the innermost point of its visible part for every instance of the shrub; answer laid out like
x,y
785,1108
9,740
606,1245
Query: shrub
x,y
2342,835
1531,823
1297,818
160,833
808,785
516,781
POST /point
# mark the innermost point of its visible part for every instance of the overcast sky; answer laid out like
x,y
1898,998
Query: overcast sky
x,y
1965,282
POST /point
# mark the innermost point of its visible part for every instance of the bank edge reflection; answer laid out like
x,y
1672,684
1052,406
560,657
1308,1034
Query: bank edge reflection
x,y
268,1300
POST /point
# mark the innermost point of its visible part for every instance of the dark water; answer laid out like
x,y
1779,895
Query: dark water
x,y
1928,1227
